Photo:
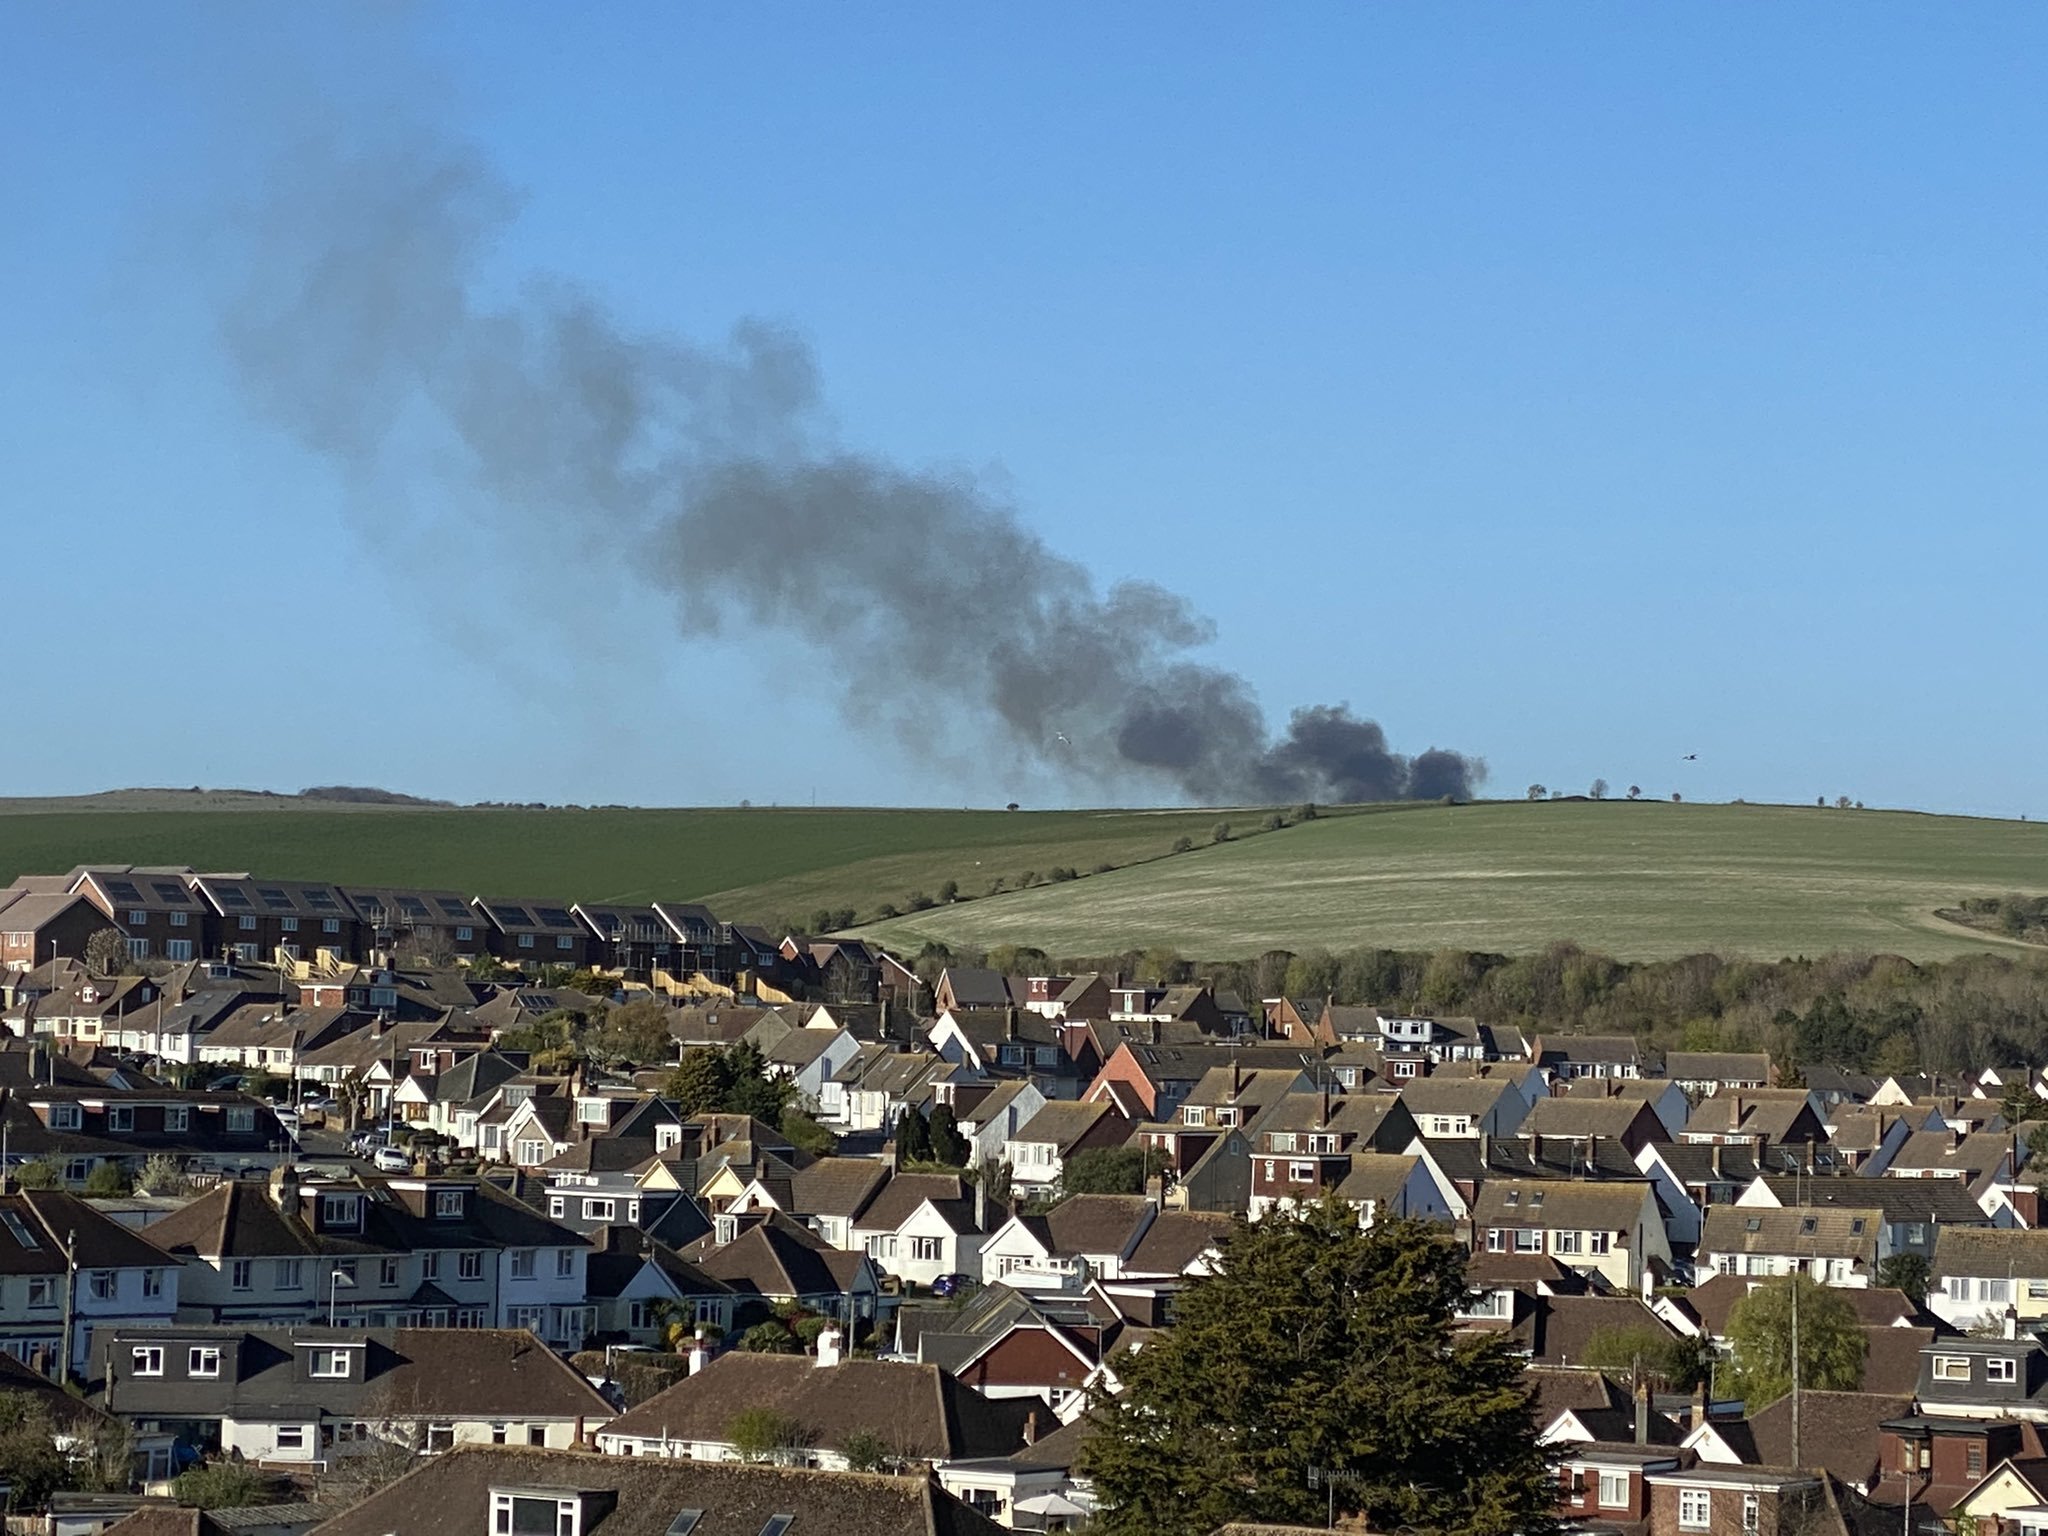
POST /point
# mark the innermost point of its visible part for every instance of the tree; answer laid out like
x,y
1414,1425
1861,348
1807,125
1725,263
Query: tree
x,y
764,1434
866,1451
487,967
163,1175
221,1485
948,1145
1599,789
913,1137
1906,1272
1109,1170
1843,802
699,1083
107,1181
1635,791
770,1338
634,1033
1831,1342
30,1462
1318,1345
1677,798
1183,845
1220,833
1679,1362
106,953
805,1134
1537,792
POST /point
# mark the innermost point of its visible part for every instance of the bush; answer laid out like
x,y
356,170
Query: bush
x,y
771,1338
763,1434
1220,833
40,1174
919,901
1273,823
949,892
806,1135
1103,868
223,1485
1183,845
108,1181
1064,872
163,1175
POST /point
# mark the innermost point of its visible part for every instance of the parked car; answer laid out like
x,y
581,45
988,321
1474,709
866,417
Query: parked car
x,y
952,1285
391,1160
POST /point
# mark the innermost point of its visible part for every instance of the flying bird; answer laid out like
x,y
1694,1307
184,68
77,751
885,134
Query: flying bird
x,y
1061,738
1690,757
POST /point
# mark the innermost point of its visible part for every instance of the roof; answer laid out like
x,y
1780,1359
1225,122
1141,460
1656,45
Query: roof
x,y
2015,1252
972,988
1176,1239
898,1200
1589,1114
35,1222
836,1186
1814,1232
1875,1306
167,1520
1937,1201
1717,1066
1837,1431
451,1492
1063,1122
1767,1112
919,1409
1567,1325
1612,1205
1377,1176
1088,1224
1454,1095
471,1373
30,911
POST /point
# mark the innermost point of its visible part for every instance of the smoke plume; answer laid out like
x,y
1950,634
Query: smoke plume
x,y
365,327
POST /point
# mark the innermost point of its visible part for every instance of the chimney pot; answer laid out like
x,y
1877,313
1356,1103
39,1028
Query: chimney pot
x,y
829,1347
1643,1411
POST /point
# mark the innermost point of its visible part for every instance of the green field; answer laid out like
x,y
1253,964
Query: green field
x,y
1638,880
750,865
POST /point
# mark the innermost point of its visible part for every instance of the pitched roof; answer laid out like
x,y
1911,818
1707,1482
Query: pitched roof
x,y
1176,1239
1837,1431
919,1409
836,1186
1718,1066
1611,1205
2015,1252
451,1492
1584,1114
1815,1232
1063,1122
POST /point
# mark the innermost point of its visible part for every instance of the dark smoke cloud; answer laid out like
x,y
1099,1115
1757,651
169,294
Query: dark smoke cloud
x,y
362,327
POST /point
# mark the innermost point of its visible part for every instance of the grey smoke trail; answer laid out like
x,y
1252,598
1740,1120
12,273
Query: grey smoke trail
x,y
362,329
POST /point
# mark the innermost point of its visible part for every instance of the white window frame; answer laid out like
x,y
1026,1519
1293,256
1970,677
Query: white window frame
x,y
1613,1490
329,1364
469,1264
146,1360
1997,1368
1695,1509
1951,1368
202,1362
521,1265
177,1118
291,1437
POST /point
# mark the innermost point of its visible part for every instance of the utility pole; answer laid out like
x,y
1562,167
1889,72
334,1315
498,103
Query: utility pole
x,y
70,1295
1796,1461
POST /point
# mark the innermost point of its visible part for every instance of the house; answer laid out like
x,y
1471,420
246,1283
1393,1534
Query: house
x,y
996,1118
1978,1274
1768,1116
1707,1073
62,1261
559,1493
632,939
154,909
1608,1481
1152,1082
920,1412
437,927
1084,1237
1836,1245
1007,1343
533,933
1839,1433
1308,1143
1609,1228
1757,1501
1914,1212
403,1252
284,920
1240,1095
1014,1489
1059,1058
920,1226
1387,1186
1450,1107
1040,1148
1865,1138
637,1284
1567,1056
1634,1120
770,1258
1985,1377
966,987
43,925
75,1129
309,1396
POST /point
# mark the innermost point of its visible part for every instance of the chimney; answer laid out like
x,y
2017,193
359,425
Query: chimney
x,y
1535,1147
1642,1410
1031,1427
1714,1159
981,1205
828,1346
700,1353
1236,1075
1735,1112
1699,1406
2012,1321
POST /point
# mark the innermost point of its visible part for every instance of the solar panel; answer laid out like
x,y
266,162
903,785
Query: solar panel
x,y
19,1229
453,908
233,896
123,890
320,901
414,907
555,917
512,917
167,890
274,899
685,1522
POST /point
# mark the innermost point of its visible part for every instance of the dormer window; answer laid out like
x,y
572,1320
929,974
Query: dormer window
x,y
2001,1370
329,1364
65,1117
540,1513
448,1205
340,1210
728,1228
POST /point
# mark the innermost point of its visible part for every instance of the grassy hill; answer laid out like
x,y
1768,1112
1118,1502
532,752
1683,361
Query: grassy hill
x,y
1640,881
1637,880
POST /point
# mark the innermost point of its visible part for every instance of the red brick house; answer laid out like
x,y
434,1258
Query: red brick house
x,y
43,925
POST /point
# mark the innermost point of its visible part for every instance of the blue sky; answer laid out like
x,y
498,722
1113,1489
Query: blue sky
x,y
1577,386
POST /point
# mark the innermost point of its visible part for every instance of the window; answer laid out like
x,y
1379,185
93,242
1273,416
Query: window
x,y
149,1360
1598,1242
563,941
1528,1239
925,1249
288,924
177,949
1301,1173
464,935
1614,1490
1226,1117
518,1514
1994,1290
202,1361
287,1274
522,1263
1567,1242
559,1207
526,941
448,1205
138,949
138,919
598,1210
387,1272
1951,1367
241,1117
1496,1240
532,1318
328,1363
291,1437
1695,1509
1973,1459
345,1271
593,1112
536,1434
565,1262
497,1434
246,923
100,1284
2037,1290
469,1266
532,1153
239,1273
2001,1370
1191,1114
120,1117
177,1117
152,1282
65,1117
338,1211
330,925
42,1291
430,1266
1752,1511
440,1437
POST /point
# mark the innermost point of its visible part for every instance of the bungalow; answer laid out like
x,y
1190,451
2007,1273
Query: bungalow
x,y
1772,1116
1040,1149
1081,1238
1445,1107
1707,1073
1567,1056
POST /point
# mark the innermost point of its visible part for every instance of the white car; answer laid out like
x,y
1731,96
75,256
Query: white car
x,y
391,1160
